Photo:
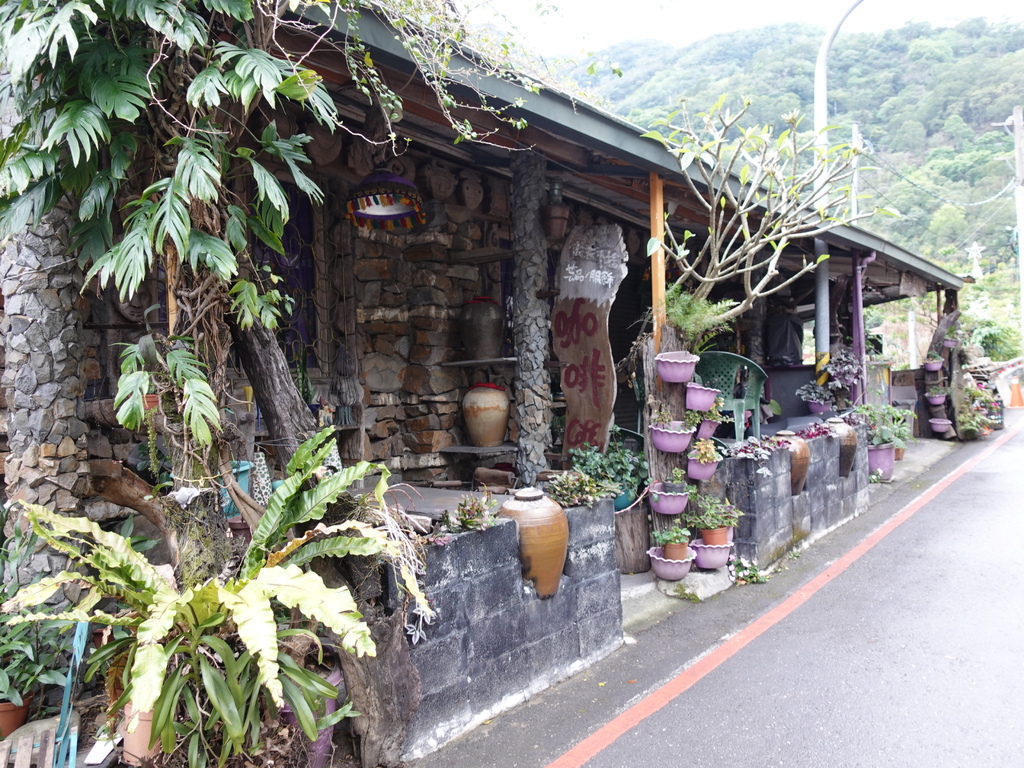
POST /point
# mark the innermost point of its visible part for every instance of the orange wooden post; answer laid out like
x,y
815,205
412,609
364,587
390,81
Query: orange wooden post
x,y
657,213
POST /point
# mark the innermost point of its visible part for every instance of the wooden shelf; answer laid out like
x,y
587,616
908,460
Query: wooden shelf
x,y
480,255
477,451
478,363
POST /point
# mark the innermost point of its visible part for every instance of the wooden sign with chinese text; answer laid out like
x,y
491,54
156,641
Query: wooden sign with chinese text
x,y
591,268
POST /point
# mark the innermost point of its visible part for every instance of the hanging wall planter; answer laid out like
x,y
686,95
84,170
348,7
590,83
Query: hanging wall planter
x,y
707,429
710,556
676,367
669,570
933,365
665,503
940,426
700,398
671,440
818,408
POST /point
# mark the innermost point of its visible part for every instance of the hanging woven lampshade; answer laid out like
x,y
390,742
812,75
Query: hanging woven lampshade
x,y
384,200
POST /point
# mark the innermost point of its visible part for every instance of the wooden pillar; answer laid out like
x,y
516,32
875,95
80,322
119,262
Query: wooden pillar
x,y
657,213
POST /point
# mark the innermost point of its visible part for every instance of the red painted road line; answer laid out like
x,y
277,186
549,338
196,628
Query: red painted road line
x,y
579,755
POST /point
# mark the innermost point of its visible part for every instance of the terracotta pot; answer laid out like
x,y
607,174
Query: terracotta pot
x,y
700,398
485,409
668,570
482,324
666,502
12,717
151,401
799,460
669,440
710,556
697,471
900,453
674,551
239,528
715,536
847,437
543,537
676,367
883,459
707,429
136,743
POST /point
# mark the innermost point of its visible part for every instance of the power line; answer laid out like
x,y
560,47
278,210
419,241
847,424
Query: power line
x,y
927,191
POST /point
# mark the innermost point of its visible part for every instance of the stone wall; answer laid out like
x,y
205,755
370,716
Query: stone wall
x,y
494,643
775,521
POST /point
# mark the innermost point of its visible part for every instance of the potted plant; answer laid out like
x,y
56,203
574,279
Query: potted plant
x,y
575,489
473,513
940,426
671,502
888,429
674,542
31,655
668,434
706,422
179,651
933,362
713,517
703,460
676,367
936,395
699,398
818,398
618,464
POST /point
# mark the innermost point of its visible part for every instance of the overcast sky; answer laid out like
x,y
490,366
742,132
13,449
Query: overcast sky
x,y
581,25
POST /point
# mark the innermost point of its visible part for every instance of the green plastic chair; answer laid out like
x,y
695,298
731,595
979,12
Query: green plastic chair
x,y
723,371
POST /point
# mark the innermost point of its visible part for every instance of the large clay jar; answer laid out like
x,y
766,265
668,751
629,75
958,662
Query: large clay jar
x,y
543,537
485,409
482,323
136,743
799,460
847,436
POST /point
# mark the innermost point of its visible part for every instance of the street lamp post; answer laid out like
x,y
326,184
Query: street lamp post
x,y
821,293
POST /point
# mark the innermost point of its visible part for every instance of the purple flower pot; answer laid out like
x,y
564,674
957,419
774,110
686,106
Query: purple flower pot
x,y
671,441
669,570
883,459
700,398
319,750
818,408
707,429
668,503
676,367
948,343
940,426
933,365
697,471
710,556
935,399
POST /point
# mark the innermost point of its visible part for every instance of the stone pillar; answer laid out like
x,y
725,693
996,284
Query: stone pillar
x,y
43,379
531,319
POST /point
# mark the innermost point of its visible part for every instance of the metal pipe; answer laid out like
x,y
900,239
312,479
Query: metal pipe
x,y
822,333
859,333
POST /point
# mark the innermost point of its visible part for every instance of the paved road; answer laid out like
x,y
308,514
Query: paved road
x,y
910,653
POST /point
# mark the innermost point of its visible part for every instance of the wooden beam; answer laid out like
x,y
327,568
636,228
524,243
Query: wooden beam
x,y
657,212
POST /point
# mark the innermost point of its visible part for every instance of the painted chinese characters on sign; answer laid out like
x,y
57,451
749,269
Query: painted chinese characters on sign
x,y
590,269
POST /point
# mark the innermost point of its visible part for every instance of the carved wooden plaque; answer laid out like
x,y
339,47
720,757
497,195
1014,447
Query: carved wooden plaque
x,y
590,270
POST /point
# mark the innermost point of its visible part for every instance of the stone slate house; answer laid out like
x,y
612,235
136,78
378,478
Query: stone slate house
x,y
376,321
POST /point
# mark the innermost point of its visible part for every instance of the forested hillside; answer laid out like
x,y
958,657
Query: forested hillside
x,y
924,98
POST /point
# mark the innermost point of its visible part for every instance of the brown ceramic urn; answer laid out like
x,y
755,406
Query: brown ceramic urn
x,y
543,537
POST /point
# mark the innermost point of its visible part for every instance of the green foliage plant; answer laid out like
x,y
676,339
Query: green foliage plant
x,y
473,513
672,535
813,392
705,451
31,654
706,513
937,390
210,662
886,423
618,464
575,489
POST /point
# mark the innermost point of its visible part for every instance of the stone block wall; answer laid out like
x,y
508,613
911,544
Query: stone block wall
x,y
494,642
775,521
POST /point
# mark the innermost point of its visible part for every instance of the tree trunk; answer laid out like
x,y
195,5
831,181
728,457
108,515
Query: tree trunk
x,y
384,688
